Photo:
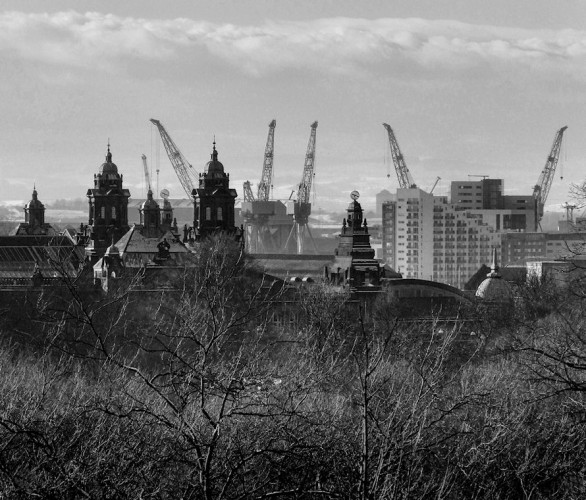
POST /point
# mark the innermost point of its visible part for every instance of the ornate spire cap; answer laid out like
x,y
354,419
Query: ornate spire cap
x,y
108,167
150,202
494,267
35,203
494,289
214,166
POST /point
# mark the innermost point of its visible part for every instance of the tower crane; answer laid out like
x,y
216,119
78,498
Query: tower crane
x,y
265,184
185,172
541,189
403,174
247,189
302,205
147,177
435,184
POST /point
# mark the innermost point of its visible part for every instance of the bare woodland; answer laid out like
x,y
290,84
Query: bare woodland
x,y
197,393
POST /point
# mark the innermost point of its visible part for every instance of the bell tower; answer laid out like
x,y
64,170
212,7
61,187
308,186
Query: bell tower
x,y
150,216
34,219
34,212
213,199
108,208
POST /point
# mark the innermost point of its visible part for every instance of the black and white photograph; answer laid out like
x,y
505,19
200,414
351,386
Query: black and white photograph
x,y
310,249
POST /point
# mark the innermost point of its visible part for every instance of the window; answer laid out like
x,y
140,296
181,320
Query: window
x,y
208,213
103,212
113,212
219,216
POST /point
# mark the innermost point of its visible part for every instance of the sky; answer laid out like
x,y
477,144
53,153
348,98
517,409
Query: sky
x,y
470,87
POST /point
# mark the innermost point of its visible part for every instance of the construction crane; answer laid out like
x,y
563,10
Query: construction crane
x,y
434,184
185,172
302,205
247,190
265,184
541,189
569,208
403,174
147,177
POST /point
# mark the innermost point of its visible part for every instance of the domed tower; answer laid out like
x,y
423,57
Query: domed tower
x,y
112,267
108,208
494,290
150,216
34,212
213,199
34,219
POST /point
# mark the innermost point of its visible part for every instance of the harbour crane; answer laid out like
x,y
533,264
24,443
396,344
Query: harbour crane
x,y
147,177
541,189
434,184
247,190
403,174
569,208
185,172
302,205
265,184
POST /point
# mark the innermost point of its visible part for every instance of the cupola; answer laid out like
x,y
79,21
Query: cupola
x,y
214,166
108,167
494,288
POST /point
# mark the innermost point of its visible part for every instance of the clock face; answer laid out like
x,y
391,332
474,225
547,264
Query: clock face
x,y
354,195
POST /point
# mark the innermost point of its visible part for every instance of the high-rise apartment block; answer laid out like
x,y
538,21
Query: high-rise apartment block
x,y
431,237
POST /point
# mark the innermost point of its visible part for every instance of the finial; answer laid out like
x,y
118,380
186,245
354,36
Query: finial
x,y
109,155
214,152
494,268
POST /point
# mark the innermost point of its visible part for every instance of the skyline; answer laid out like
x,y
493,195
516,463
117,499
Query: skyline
x,y
468,89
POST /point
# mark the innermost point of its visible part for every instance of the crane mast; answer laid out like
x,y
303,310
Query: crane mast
x,y
403,174
438,178
183,169
248,195
304,191
541,189
264,186
147,177
302,205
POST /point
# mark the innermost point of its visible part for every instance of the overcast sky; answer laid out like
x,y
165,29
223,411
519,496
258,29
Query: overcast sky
x,y
470,88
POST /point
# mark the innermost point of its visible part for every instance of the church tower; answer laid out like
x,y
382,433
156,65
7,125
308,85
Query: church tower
x,y
355,265
108,208
34,219
213,200
150,216
34,212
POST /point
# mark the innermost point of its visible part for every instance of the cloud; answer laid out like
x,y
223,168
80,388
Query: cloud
x,y
334,45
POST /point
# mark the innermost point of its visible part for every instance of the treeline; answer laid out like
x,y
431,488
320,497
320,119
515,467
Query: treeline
x,y
197,395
